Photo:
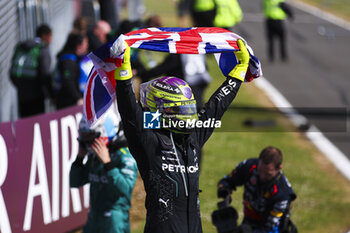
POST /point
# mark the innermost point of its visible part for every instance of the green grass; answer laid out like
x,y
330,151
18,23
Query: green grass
x,y
323,203
340,8
320,205
323,194
165,8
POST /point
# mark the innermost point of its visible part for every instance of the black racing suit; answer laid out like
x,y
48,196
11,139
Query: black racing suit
x,y
264,205
170,176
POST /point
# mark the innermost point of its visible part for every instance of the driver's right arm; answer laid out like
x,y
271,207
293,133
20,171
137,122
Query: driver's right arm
x,y
130,111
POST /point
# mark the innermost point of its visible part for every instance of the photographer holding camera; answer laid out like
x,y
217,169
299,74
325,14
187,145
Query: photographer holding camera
x,y
111,171
267,193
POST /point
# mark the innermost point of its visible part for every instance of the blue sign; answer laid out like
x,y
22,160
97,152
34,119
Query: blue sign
x,y
151,120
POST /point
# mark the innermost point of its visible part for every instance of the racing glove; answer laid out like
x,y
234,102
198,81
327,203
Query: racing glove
x,y
223,191
124,72
242,55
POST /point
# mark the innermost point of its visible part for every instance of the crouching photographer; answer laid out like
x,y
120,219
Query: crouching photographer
x,y
266,199
111,171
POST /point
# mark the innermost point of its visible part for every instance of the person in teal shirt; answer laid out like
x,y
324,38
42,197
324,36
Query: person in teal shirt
x,y
111,171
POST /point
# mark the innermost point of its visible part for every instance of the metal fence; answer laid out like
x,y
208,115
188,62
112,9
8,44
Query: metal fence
x,y
9,32
18,22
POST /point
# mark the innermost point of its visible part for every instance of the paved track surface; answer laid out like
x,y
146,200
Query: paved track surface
x,y
316,77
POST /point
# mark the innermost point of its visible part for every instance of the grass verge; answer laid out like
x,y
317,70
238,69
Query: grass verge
x,y
341,8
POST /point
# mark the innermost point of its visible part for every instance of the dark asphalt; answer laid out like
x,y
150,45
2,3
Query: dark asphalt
x,y
316,77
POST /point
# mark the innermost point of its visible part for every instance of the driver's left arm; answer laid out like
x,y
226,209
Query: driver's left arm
x,y
225,94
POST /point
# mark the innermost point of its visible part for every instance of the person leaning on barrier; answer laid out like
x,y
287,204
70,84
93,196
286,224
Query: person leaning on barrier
x,y
111,171
167,158
99,35
30,72
267,192
66,80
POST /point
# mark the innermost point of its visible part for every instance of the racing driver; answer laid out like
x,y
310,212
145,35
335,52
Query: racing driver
x,y
167,158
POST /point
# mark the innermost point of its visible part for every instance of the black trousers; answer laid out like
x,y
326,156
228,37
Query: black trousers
x,y
31,108
276,29
204,18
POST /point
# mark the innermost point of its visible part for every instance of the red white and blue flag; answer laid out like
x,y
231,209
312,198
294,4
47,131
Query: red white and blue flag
x,y
100,90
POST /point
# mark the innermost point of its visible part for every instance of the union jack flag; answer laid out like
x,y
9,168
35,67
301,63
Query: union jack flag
x,y
183,40
100,91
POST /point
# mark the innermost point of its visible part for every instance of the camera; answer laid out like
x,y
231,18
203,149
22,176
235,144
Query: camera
x,y
86,138
225,218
